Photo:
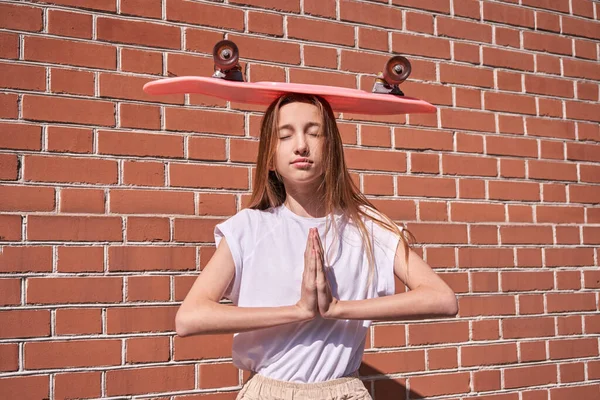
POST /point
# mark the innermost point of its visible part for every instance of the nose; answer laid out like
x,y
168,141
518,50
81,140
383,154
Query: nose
x,y
301,145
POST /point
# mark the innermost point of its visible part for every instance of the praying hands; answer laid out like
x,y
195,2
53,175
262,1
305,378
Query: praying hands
x,y
316,294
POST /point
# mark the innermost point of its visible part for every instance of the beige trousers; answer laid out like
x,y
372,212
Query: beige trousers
x,y
261,388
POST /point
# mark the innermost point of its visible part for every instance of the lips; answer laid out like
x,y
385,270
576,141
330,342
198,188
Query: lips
x,y
301,160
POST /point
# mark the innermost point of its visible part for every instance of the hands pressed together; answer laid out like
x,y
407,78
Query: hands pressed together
x,y
316,297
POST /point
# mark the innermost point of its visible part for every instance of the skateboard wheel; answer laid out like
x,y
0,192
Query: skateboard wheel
x,y
396,70
225,54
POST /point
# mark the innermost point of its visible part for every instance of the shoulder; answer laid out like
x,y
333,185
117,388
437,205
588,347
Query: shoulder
x,y
381,226
254,214
374,218
248,217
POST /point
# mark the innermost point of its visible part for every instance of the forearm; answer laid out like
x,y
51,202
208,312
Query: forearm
x,y
213,318
416,304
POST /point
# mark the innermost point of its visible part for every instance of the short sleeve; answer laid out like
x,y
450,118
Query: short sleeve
x,y
386,245
234,230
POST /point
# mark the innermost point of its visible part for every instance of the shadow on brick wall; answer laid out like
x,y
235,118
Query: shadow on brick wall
x,y
385,388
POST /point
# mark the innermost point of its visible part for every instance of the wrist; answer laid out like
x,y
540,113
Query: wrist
x,y
302,314
335,310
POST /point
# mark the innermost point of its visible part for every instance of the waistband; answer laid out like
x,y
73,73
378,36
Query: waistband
x,y
260,379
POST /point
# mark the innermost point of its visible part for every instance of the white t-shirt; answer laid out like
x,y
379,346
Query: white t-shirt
x,y
268,251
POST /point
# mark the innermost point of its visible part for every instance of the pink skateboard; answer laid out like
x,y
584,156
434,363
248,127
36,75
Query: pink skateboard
x,y
227,83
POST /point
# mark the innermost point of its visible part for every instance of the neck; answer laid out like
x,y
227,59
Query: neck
x,y
304,202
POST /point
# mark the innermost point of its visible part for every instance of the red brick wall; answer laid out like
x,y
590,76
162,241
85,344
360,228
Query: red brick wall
x,y
108,196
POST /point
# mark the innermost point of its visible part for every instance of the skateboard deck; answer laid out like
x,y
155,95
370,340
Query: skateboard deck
x,y
228,83
341,99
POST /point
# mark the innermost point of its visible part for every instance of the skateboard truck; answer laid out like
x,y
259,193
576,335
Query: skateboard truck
x,y
226,56
396,70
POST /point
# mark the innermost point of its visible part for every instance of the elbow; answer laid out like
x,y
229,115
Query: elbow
x,y
182,324
192,321
450,304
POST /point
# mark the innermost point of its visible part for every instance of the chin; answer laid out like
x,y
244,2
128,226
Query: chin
x,y
302,179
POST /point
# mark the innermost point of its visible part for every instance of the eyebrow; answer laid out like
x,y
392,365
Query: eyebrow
x,y
308,125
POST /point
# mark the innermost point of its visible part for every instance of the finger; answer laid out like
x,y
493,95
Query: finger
x,y
310,245
319,247
321,280
320,244
310,265
321,268
313,263
308,260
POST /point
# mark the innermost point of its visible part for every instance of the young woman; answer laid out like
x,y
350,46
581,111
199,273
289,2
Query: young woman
x,y
307,266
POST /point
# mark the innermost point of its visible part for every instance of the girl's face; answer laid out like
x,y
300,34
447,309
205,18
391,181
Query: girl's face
x,y
298,158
